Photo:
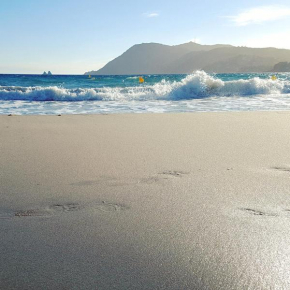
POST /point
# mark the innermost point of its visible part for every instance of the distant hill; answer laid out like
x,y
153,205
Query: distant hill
x,y
47,73
282,67
154,58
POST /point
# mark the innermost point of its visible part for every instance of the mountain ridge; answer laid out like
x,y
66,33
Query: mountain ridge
x,y
156,58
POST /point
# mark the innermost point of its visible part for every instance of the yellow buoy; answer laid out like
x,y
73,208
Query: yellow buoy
x,y
89,76
141,80
274,78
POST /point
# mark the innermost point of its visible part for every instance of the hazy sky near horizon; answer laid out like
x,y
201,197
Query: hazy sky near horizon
x,y
73,36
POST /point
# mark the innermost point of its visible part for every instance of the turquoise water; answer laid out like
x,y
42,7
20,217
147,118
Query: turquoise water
x,y
199,91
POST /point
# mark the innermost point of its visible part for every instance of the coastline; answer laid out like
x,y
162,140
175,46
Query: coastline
x,y
145,201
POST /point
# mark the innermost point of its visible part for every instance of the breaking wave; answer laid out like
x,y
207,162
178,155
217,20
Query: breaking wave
x,y
195,86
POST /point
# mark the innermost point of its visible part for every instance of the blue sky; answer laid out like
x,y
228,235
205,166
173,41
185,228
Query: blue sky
x,y
71,37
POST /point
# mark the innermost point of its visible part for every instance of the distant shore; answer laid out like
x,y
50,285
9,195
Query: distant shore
x,y
145,201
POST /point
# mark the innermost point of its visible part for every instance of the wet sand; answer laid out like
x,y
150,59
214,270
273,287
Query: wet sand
x,y
151,201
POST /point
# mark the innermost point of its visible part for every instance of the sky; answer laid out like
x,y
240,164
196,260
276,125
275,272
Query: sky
x,y
75,36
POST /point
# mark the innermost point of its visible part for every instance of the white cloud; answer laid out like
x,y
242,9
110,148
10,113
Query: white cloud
x,y
151,15
278,40
260,14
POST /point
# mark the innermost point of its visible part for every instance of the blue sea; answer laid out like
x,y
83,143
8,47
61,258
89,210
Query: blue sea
x,y
197,92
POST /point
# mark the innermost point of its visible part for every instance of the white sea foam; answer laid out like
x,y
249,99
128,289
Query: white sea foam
x,y
198,85
132,78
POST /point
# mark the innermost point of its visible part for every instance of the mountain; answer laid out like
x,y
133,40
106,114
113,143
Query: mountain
x,y
155,58
282,67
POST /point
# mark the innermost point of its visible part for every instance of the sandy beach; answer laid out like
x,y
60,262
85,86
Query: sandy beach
x,y
145,201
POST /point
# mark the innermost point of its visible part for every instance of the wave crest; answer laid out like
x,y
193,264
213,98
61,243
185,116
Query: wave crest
x,y
195,86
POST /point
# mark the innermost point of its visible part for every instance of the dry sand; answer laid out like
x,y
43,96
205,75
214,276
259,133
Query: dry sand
x,y
153,201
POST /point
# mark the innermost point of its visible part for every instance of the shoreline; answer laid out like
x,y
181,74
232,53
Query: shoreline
x,y
147,113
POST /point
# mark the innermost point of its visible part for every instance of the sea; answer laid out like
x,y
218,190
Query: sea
x,y
196,92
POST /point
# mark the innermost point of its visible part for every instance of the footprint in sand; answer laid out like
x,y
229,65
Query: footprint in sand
x,y
30,213
173,173
47,211
57,209
165,175
65,207
256,212
107,206
283,212
8,214
282,168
